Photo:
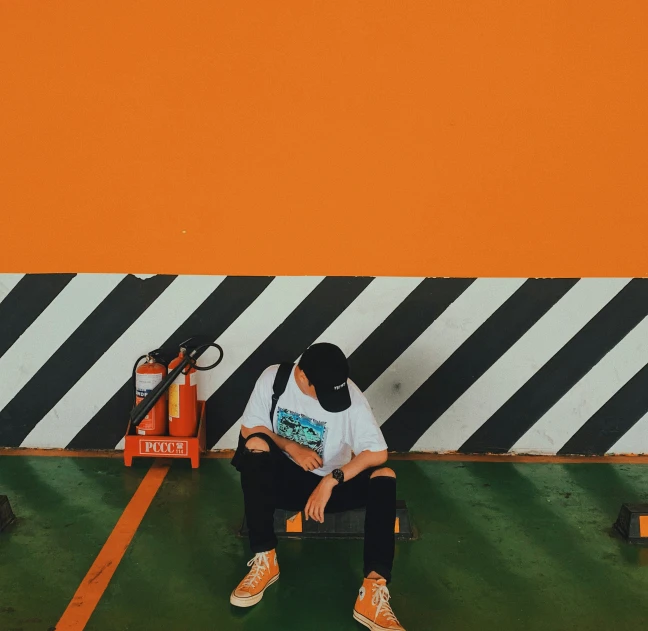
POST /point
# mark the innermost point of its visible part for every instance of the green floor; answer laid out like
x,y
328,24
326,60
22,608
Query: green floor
x,y
502,546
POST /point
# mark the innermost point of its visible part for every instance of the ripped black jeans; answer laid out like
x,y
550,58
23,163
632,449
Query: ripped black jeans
x,y
271,480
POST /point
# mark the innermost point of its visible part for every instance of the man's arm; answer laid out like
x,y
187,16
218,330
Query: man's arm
x,y
366,441
362,461
255,420
320,496
306,458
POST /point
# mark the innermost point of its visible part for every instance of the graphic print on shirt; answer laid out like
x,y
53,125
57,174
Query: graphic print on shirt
x,y
302,429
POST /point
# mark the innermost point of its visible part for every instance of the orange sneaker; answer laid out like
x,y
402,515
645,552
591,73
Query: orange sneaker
x,y
264,572
372,608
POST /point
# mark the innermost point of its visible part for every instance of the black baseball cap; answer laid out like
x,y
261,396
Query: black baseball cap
x,y
327,369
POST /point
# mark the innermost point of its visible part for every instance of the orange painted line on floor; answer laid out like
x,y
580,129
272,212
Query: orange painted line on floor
x,y
228,453
454,457
68,453
87,596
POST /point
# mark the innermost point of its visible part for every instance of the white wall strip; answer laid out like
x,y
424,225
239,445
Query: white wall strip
x,y
54,325
59,426
635,440
515,367
253,326
7,283
550,433
367,312
442,338
353,325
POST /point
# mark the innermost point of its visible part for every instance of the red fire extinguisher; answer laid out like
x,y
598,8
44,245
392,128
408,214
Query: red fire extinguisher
x,y
183,399
147,376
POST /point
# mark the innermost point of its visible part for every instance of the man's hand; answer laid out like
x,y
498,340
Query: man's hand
x,y
306,458
319,499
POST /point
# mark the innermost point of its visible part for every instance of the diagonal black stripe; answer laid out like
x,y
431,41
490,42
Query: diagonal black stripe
x,y
401,328
613,420
287,342
604,331
77,354
222,307
25,302
472,359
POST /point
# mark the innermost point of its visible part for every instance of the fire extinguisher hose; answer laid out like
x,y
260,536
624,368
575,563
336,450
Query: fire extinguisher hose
x,y
200,350
135,367
188,361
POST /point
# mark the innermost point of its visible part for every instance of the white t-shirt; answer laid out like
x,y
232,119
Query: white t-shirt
x,y
301,418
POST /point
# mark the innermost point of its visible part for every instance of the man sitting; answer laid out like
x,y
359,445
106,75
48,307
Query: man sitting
x,y
320,450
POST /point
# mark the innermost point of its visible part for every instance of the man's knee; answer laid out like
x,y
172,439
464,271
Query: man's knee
x,y
384,472
256,444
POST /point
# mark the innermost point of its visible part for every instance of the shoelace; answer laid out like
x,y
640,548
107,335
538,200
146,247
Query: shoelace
x,y
259,565
381,601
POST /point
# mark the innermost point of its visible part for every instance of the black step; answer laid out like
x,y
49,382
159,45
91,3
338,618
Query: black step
x,y
632,523
345,525
6,514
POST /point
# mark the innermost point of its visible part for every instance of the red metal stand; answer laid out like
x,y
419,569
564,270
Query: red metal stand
x,y
167,446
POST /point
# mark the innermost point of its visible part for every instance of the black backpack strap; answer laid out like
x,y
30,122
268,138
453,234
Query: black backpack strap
x,y
279,387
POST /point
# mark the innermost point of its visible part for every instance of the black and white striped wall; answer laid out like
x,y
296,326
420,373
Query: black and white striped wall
x,y
552,366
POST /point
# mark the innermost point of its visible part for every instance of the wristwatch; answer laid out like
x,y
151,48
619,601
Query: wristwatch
x,y
338,475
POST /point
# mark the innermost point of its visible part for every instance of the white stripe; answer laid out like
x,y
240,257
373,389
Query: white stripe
x,y
50,329
515,367
64,421
7,283
367,312
438,342
249,331
634,441
577,406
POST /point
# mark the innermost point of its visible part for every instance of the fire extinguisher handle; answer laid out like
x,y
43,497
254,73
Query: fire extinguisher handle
x,y
200,350
135,374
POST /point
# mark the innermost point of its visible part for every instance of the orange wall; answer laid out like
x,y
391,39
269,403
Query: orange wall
x,y
474,137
